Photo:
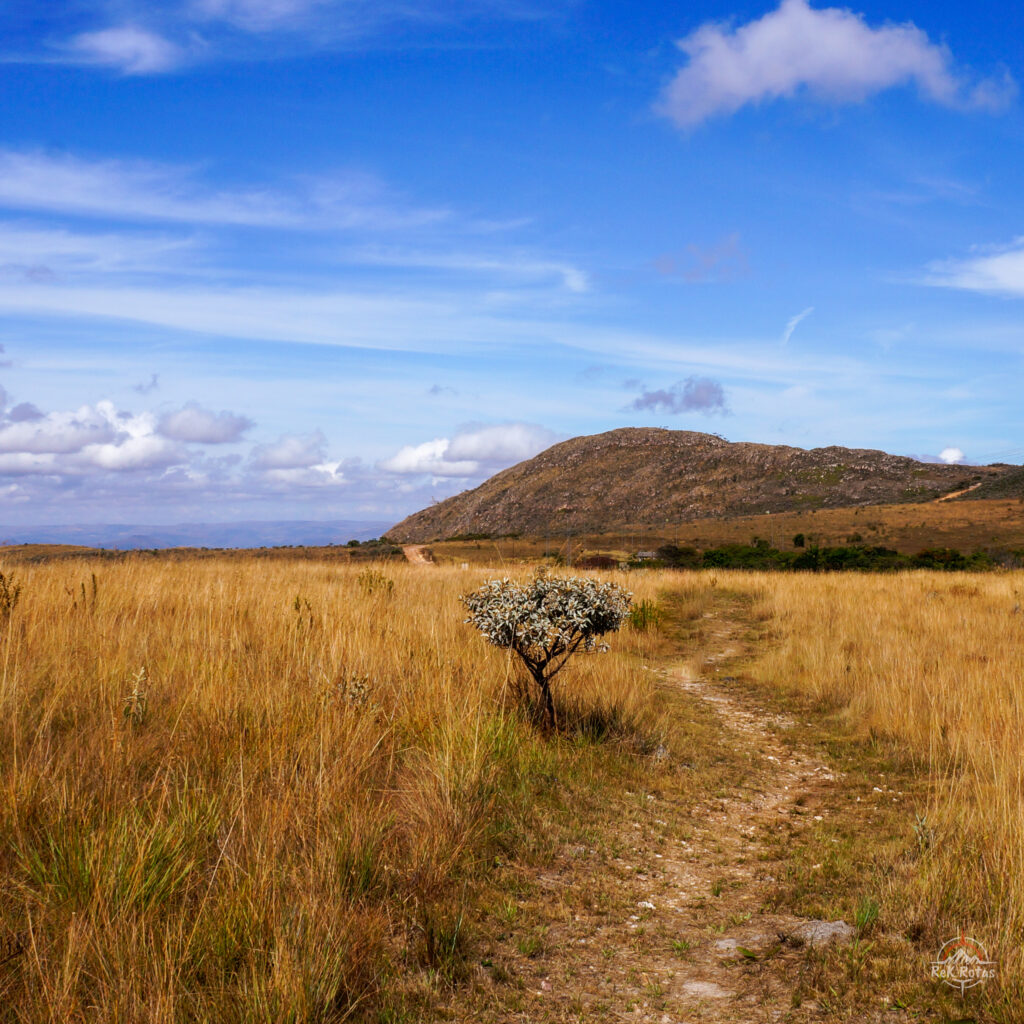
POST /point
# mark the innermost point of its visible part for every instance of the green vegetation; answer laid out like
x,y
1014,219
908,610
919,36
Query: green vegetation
x,y
760,556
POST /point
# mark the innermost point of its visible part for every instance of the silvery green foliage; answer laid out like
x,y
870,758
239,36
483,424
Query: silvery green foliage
x,y
547,619
547,615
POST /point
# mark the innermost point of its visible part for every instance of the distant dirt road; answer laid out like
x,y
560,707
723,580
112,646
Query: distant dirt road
x,y
417,554
956,494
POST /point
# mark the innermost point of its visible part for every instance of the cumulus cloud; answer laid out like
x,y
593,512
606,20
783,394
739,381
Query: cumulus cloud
x,y
127,48
75,442
291,451
201,426
830,54
948,456
695,394
997,270
99,463
25,412
428,458
475,450
59,433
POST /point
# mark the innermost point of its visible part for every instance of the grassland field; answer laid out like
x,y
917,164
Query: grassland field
x,y
242,789
968,526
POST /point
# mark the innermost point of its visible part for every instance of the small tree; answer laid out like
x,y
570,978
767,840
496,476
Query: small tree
x,y
546,621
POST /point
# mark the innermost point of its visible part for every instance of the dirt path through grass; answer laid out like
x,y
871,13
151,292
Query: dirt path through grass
x,y
417,554
666,918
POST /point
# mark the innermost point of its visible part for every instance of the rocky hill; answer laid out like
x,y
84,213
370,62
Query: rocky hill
x,y
634,476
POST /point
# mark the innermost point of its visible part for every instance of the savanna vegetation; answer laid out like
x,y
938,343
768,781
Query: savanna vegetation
x,y
245,789
993,527
932,666
241,790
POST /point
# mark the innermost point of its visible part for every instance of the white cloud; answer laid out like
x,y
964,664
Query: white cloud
x,y
128,48
996,270
291,451
572,278
37,250
428,458
140,452
59,432
257,15
831,54
502,443
473,451
324,474
793,321
74,442
399,321
951,456
195,424
99,463
143,190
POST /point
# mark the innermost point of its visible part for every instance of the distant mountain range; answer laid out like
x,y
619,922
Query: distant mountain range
x,y
197,535
652,477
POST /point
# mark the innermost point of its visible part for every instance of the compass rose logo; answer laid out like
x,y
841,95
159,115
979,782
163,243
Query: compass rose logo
x,y
963,963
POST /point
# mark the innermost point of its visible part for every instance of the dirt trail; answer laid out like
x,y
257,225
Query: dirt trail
x,y
956,494
699,944
418,554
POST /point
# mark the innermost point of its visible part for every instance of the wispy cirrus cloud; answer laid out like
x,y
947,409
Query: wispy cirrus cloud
x,y
41,252
133,37
793,322
829,54
511,265
127,48
137,190
996,270
257,15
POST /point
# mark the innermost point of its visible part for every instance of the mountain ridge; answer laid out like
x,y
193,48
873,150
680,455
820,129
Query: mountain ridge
x,y
640,475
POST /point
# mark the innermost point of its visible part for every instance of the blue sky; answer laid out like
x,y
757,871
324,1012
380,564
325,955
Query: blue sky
x,y
334,259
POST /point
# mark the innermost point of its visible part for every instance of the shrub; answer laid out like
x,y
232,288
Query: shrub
x,y
371,580
645,615
546,621
677,557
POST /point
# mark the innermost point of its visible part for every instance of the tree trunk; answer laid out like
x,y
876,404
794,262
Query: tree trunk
x,y
545,693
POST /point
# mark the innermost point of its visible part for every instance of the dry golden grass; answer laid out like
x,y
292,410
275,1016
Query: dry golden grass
x,y
249,791
934,662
